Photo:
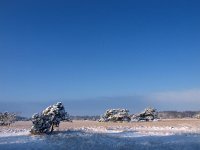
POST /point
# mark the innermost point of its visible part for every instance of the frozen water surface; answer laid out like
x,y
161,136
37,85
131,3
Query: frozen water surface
x,y
82,140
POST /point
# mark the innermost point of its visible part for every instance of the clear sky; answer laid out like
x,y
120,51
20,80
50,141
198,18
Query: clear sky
x,y
97,54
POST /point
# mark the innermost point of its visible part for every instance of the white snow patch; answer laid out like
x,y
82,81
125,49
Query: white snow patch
x,y
13,132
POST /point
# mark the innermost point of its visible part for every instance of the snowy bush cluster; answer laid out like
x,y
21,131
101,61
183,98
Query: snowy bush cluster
x,y
49,118
7,118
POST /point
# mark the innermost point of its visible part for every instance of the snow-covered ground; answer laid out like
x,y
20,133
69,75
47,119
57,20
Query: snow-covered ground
x,y
145,131
100,138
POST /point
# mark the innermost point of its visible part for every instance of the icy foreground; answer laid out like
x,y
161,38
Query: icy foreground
x,y
98,141
105,136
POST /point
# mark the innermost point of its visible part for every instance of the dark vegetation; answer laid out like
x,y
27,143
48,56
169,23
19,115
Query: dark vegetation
x,y
177,114
7,119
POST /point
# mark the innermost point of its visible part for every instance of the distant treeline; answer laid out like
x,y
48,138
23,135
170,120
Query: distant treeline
x,y
177,114
161,115
94,118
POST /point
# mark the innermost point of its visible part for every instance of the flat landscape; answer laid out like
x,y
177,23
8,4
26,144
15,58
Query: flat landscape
x,y
163,126
169,134
132,65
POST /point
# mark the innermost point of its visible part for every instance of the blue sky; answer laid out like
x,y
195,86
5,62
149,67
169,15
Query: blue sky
x,y
98,54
